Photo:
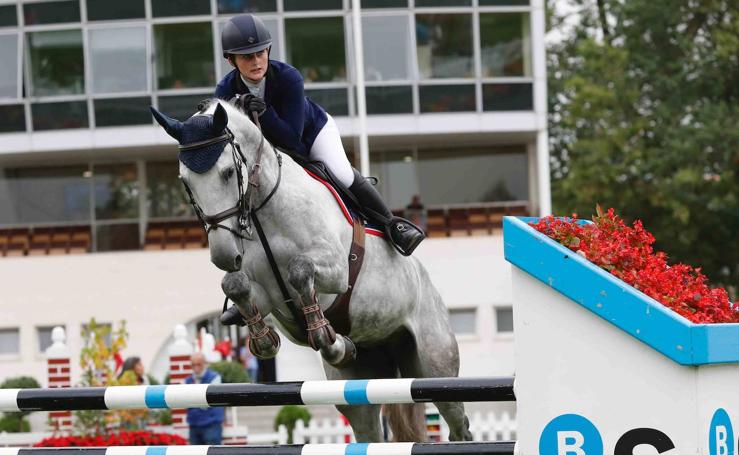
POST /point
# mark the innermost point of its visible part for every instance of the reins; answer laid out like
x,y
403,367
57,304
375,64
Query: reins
x,y
244,208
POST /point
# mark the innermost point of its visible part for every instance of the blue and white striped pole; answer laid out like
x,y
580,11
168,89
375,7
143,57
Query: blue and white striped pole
x,y
458,448
353,392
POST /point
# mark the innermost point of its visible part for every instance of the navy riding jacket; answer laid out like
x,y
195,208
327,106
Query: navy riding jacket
x,y
291,120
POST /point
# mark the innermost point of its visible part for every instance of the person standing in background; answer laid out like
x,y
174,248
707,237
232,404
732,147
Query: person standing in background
x,y
249,360
206,424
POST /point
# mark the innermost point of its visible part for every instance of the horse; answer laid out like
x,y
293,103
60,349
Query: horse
x,y
399,324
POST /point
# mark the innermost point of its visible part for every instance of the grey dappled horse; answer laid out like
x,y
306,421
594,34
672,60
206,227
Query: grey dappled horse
x,y
399,324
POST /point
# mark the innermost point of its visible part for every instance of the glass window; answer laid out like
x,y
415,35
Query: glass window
x,y
397,177
246,6
507,97
379,32
181,107
44,195
9,68
123,111
384,3
503,2
444,45
118,58
51,12
116,191
165,194
422,3
298,5
10,341
504,319
56,62
389,99
61,115
14,118
184,55
8,16
333,100
447,98
473,175
162,8
464,321
505,44
43,334
304,36
274,54
102,10
118,237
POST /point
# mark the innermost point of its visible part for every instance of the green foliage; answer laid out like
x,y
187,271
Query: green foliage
x,y
20,382
97,360
231,372
288,416
644,118
15,422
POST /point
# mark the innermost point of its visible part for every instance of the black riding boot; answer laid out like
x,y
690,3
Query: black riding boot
x,y
401,233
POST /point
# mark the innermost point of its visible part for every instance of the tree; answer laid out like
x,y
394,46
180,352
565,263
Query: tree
x,y
643,118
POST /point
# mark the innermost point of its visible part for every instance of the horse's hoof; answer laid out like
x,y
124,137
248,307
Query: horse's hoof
x,y
348,354
265,347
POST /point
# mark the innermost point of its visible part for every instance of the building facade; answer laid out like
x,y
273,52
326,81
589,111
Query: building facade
x,y
456,104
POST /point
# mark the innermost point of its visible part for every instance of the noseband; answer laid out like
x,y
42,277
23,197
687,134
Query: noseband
x,y
244,209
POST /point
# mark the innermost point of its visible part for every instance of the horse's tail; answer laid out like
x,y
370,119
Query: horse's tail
x,y
407,422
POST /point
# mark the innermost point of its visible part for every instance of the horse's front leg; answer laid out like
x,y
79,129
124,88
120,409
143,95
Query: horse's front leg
x,y
336,349
264,342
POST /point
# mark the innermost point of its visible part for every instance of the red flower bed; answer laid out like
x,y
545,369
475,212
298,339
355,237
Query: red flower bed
x,y
121,438
626,252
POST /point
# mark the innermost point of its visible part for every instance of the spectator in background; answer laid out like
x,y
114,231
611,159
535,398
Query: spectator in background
x,y
249,360
136,368
416,212
206,424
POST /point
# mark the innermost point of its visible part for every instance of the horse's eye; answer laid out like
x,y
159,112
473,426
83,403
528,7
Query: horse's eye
x,y
228,173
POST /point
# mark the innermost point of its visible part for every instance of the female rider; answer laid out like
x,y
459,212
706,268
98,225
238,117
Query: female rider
x,y
274,90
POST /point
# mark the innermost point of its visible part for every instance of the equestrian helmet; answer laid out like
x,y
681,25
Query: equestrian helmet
x,y
244,34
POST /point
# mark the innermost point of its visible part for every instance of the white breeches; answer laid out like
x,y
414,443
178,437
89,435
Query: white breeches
x,y
328,149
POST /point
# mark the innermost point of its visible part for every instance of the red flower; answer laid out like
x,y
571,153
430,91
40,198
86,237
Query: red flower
x,y
121,438
626,252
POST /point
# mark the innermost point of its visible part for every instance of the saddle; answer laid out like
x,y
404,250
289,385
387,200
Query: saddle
x,y
319,170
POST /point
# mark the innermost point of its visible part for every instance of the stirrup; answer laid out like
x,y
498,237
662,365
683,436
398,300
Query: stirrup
x,y
232,316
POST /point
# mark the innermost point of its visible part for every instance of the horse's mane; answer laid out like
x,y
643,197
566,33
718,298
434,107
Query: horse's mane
x,y
243,128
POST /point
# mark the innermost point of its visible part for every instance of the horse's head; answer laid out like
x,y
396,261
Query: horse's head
x,y
211,167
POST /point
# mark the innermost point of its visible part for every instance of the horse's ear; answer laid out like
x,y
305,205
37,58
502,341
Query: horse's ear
x,y
172,126
220,119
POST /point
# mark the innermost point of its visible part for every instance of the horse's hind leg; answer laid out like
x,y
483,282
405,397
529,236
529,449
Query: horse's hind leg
x,y
364,419
433,353
264,342
335,349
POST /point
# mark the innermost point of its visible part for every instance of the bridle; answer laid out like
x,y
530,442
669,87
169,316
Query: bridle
x,y
244,209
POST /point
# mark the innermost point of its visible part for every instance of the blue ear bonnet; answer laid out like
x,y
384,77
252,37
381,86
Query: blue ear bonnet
x,y
197,129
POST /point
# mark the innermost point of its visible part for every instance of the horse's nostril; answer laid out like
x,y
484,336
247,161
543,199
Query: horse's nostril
x,y
237,262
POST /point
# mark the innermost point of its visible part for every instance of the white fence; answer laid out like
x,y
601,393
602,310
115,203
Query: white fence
x,y
484,427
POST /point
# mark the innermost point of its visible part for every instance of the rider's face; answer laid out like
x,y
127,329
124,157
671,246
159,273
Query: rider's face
x,y
252,66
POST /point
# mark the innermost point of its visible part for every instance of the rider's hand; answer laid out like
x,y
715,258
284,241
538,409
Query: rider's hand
x,y
250,103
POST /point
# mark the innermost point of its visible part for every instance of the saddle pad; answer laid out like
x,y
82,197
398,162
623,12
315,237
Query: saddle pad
x,y
369,228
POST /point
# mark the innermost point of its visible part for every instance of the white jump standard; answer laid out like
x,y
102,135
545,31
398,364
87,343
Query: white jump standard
x,y
352,392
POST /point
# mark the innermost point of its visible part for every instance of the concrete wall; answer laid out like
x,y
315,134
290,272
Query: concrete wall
x,y
153,291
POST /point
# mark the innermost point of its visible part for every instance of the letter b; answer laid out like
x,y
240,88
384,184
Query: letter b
x,y
570,442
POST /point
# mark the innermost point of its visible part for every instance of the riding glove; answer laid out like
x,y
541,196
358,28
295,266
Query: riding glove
x,y
250,103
